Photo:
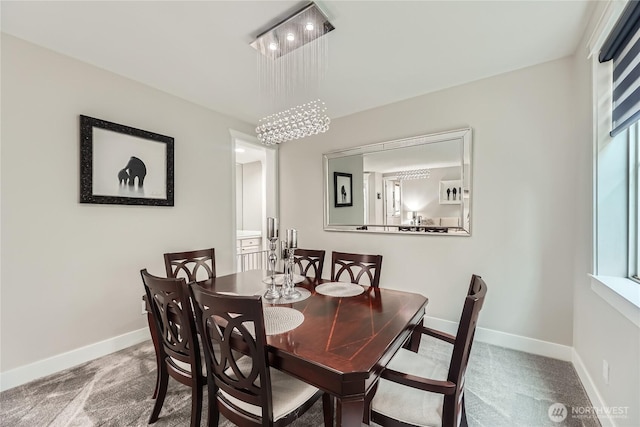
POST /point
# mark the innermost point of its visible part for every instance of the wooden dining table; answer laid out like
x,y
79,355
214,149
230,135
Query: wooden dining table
x,y
343,343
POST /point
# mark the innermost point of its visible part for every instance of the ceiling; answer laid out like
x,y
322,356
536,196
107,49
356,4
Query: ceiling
x,y
380,52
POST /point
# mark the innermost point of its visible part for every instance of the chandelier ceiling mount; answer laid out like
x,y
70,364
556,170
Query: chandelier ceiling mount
x,y
295,31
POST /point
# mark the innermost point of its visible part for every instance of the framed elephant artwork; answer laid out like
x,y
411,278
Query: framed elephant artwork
x,y
123,165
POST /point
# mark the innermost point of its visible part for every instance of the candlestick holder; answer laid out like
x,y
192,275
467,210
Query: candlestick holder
x,y
288,289
272,292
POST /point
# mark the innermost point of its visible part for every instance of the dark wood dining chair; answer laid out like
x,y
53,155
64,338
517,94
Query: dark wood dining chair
x,y
179,351
356,267
414,390
193,265
309,262
241,386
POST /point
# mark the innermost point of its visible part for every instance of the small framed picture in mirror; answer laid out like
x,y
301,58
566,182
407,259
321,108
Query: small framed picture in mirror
x,y
450,192
343,189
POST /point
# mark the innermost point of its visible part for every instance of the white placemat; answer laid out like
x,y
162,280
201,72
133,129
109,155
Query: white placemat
x,y
278,320
279,279
339,289
304,294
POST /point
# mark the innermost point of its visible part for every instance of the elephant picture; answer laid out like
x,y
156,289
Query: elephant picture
x,y
135,168
142,162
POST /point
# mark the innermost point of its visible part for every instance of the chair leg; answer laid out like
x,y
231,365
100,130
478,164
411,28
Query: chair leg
x,y
366,417
213,415
463,415
156,346
162,393
196,402
327,409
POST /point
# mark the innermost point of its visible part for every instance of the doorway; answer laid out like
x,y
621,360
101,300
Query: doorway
x,y
256,195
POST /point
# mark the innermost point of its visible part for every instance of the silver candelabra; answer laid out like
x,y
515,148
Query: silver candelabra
x,y
288,289
272,292
272,234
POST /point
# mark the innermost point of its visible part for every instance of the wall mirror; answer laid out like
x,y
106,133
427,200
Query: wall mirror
x,y
419,185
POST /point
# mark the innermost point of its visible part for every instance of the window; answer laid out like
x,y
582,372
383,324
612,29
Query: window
x,y
618,99
616,264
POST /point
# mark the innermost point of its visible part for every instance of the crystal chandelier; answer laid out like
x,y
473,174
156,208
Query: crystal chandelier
x,y
413,174
291,62
294,123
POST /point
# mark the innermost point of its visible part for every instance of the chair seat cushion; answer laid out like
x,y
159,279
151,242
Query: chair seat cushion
x,y
407,404
288,393
186,367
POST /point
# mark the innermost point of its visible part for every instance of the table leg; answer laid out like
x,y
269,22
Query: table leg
x,y
349,412
413,343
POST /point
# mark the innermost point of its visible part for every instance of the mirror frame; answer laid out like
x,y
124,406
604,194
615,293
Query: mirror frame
x,y
466,150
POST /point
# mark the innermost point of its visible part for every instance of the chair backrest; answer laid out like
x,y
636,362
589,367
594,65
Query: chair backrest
x,y
462,348
233,336
356,267
192,265
309,262
174,321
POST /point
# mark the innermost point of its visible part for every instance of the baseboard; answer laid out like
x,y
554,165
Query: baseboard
x,y
42,368
504,339
591,389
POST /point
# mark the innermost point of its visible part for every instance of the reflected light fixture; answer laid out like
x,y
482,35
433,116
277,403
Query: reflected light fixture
x,y
413,174
291,62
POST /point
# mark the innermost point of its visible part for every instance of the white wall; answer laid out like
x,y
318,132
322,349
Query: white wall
x,y
239,197
525,180
70,273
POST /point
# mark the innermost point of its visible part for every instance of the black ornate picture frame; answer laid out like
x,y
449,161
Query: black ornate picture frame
x,y
124,165
343,189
